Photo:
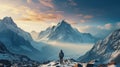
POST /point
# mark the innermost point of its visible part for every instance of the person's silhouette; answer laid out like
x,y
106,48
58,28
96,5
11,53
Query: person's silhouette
x,y
61,55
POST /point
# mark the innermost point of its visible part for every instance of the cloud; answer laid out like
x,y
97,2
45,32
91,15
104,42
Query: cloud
x,y
32,15
29,1
84,28
79,15
106,26
54,11
8,10
82,21
84,18
118,24
25,13
100,31
70,21
71,2
47,3
88,17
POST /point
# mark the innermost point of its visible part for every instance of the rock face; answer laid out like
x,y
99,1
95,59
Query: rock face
x,y
106,50
63,32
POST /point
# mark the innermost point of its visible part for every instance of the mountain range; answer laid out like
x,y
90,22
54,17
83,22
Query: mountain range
x,y
20,42
64,32
15,43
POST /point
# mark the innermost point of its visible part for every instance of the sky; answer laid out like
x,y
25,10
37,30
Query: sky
x,y
98,17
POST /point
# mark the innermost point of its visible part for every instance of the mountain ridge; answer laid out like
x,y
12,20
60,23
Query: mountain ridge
x,y
106,50
64,32
20,42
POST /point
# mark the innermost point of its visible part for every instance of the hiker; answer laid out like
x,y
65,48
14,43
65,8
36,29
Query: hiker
x,y
61,55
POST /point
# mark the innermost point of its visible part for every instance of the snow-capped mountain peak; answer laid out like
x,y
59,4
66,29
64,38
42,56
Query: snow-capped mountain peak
x,y
14,37
63,23
64,32
8,20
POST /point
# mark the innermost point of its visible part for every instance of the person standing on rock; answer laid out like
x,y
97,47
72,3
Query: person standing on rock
x,y
61,55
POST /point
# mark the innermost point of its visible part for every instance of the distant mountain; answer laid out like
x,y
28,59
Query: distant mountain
x,y
18,41
64,32
106,50
34,34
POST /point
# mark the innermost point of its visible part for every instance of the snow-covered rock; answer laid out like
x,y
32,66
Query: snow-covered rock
x,y
64,32
106,50
67,63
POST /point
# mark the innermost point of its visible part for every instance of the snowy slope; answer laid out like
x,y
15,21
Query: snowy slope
x,y
64,32
7,55
73,64
67,63
106,50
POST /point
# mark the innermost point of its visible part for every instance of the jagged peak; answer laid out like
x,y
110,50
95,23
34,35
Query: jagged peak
x,y
63,23
8,20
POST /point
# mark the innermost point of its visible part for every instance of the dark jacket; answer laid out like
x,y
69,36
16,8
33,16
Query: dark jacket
x,y
61,54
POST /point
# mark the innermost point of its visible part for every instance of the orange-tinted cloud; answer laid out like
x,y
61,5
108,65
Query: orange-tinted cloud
x,y
29,1
88,17
70,21
79,15
28,14
83,28
32,15
47,3
106,26
82,21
